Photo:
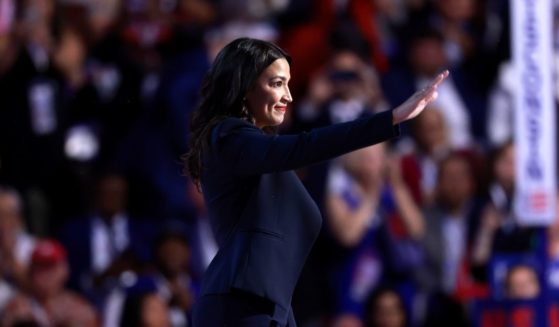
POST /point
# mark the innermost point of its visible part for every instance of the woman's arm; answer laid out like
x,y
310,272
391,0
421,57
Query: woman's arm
x,y
245,149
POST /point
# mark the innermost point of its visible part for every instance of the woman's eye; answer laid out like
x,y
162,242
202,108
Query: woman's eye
x,y
277,84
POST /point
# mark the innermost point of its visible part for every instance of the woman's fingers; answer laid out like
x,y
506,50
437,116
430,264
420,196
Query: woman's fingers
x,y
439,79
430,93
433,96
419,100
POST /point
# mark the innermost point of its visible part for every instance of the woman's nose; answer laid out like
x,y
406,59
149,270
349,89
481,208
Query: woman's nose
x,y
287,96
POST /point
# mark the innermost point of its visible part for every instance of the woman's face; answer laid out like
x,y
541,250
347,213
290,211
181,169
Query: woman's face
x,y
388,311
367,164
455,184
522,283
174,255
155,312
430,131
267,100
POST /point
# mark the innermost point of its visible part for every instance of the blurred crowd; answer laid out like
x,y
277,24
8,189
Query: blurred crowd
x,y
100,227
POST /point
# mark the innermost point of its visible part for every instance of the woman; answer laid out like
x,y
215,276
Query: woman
x,y
385,308
264,221
366,199
145,308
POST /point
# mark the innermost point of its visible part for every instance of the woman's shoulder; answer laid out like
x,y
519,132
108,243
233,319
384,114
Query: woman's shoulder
x,y
231,125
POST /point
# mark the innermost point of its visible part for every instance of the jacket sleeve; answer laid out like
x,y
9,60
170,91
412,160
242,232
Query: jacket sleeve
x,y
246,149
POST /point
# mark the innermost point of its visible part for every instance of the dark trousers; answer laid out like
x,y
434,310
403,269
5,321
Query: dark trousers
x,y
236,309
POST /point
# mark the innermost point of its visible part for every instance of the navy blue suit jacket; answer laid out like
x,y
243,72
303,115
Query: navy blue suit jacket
x,y
264,220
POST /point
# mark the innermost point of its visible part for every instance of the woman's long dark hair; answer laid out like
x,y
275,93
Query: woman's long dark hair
x,y
232,75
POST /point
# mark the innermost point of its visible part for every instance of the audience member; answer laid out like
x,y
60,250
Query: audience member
x,y
456,21
363,199
460,103
522,282
345,89
107,241
144,307
450,225
330,26
391,18
499,231
347,320
500,108
16,245
148,156
48,302
476,35
176,283
385,308
32,119
430,145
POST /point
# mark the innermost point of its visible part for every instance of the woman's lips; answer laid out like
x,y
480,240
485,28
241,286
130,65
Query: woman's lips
x,y
281,108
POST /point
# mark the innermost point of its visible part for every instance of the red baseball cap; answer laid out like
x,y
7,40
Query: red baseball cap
x,y
48,252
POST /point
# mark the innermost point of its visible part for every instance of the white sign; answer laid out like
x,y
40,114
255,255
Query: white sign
x,y
535,136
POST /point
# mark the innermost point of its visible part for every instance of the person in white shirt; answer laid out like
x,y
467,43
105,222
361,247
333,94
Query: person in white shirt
x,y
16,244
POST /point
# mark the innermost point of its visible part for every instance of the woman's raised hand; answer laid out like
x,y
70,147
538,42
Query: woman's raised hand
x,y
415,104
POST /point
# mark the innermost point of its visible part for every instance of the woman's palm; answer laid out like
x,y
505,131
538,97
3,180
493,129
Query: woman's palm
x,y
415,104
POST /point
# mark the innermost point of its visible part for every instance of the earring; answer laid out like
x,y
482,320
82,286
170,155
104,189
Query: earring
x,y
244,109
